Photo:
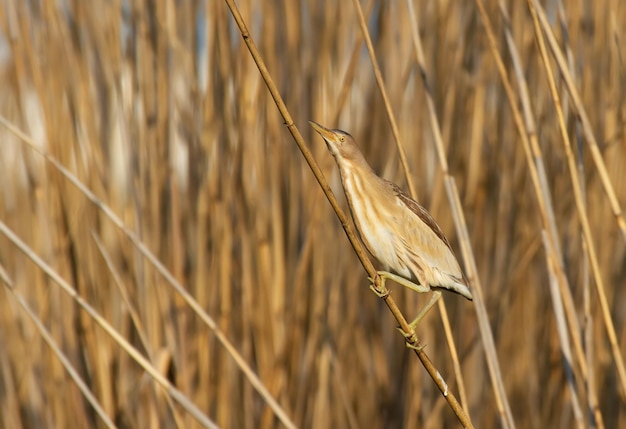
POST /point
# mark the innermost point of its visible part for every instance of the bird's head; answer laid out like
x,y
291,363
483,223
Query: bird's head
x,y
340,143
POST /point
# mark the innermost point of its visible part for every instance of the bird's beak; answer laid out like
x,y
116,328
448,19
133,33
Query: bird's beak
x,y
328,135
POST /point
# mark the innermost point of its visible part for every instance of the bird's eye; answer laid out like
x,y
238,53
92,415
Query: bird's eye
x,y
342,139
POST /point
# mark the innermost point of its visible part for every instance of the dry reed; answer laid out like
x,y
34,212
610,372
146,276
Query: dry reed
x,y
206,279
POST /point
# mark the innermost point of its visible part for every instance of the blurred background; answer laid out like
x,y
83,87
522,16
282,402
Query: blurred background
x,y
158,109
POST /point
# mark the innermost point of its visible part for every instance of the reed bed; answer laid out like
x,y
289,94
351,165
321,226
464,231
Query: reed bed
x,y
169,260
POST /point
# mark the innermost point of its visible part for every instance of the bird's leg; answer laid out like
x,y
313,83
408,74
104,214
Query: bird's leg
x,y
433,299
404,282
383,292
411,339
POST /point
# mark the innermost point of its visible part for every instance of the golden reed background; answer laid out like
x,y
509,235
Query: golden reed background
x,y
157,108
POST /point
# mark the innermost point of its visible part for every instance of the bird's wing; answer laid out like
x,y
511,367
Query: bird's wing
x,y
429,253
422,213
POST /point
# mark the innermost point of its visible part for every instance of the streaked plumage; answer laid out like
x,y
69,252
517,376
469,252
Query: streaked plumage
x,y
399,232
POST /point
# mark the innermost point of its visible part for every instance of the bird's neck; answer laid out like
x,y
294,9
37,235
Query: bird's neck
x,y
354,163
357,178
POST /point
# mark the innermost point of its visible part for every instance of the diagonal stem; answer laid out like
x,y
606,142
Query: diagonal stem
x,y
356,244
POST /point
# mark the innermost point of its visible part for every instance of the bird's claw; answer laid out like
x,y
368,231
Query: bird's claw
x,y
381,293
415,346
381,290
406,335
410,340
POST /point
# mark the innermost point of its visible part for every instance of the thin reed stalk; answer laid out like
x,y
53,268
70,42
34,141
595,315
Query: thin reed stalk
x,y
354,241
172,200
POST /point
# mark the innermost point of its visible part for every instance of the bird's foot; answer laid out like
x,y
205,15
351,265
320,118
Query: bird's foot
x,y
381,290
415,346
410,339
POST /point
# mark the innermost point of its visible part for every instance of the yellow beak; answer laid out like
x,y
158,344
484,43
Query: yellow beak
x,y
323,131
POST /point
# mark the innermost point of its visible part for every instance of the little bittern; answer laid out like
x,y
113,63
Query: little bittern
x,y
399,232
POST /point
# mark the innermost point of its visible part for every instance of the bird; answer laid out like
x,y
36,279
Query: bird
x,y
400,233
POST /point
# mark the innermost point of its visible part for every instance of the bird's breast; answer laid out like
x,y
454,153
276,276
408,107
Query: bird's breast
x,y
374,218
